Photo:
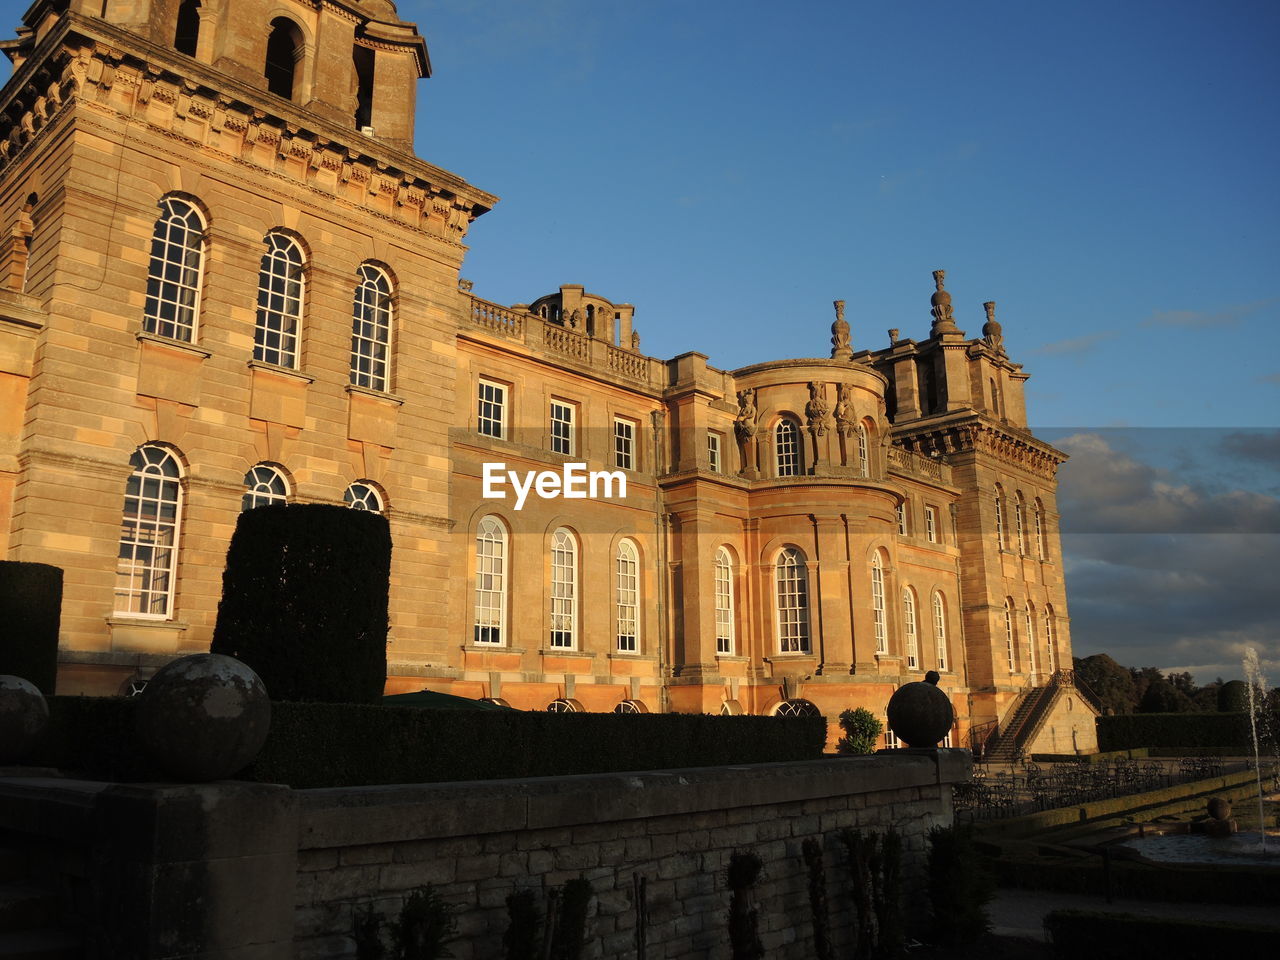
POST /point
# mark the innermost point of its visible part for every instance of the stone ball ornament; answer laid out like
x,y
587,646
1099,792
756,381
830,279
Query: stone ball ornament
x,y
920,714
203,717
24,715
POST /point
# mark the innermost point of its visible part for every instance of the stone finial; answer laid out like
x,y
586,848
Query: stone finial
x,y
992,332
893,336
840,349
940,302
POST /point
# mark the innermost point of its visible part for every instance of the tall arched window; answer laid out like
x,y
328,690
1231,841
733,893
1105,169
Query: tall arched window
x,y
280,290
786,438
940,630
263,485
177,265
564,589
724,602
909,627
1029,624
147,560
186,38
864,452
371,330
1039,508
792,591
363,496
491,581
1000,516
627,575
877,603
1019,512
1008,633
1051,664
285,51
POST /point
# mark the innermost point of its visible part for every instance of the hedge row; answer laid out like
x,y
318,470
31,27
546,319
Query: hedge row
x,y
1226,733
1119,936
338,745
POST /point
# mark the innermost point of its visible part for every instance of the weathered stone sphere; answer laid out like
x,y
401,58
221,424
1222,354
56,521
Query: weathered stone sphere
x,y
1219,808
24,714
203,717
920,714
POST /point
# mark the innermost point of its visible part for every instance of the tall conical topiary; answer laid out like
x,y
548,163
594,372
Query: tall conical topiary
x,y
304,601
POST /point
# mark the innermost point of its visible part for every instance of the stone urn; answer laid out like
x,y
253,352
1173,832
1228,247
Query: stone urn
x,y
203,717
920,714
24,715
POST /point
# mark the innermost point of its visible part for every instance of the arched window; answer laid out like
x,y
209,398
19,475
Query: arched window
x,y
561,705
177,265
285,51
1000,516
1051,664
371,330
491,581
263,485
147,560
786,437
280,288
940,630
1029,624
724,602
627,572
1019,527
1008,633
792,583
795,708
564,590
909,627
864,451
363,496
186,39
731,708
1039,508
631,706
877,603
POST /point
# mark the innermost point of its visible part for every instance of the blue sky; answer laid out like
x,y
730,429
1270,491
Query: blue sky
x,y
1106,172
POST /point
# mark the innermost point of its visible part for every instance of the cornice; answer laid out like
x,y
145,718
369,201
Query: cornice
x,y
976,433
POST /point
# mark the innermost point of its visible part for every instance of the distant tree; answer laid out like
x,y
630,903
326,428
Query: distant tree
x,y
1112,683
1206,698
1161,696
1143,677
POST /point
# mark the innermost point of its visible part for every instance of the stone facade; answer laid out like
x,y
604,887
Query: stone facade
x,y
197,199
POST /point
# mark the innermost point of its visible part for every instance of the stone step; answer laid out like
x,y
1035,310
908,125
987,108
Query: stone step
x,y
44,944
13,864
24,906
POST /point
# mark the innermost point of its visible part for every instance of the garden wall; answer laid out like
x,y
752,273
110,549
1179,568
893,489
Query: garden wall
x,y
228,850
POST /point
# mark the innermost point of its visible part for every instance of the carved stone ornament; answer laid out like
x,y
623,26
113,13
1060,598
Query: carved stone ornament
x,y
635,341
893,336
840,349
943,316
846,424
992,332
746,422
816,409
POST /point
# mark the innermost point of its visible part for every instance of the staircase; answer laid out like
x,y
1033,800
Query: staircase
x,y
29,915
1023,720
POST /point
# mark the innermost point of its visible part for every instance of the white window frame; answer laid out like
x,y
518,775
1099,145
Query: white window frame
x,y
362,495
999,517
713,452
864,454
627,598
1019,526
491,408
562,418
877,603
177,240
725,633
940,629
786,442
909,628
1029,616
150,535
277,328
490,622
1039,531
264,484
563,629
372,323
1048,639
791,596
931,524
1008,635
891,741
902,519
624,443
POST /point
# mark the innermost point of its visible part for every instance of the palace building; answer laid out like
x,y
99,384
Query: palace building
x,y
226,280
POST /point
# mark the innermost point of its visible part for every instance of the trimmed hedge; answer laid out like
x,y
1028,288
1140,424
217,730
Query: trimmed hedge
x,y
1121,936
30,610
339,745
304,601
1227,733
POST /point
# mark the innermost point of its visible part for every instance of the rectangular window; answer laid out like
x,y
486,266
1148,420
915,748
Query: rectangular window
x,y
931,524
624,443
713,451
891,741
902,519
628,601
724,603
561,427
491,410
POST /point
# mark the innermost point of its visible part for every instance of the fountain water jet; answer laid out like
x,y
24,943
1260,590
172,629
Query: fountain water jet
x,y
1257,684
